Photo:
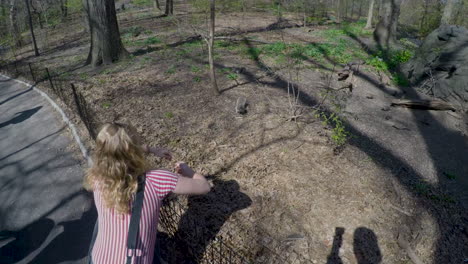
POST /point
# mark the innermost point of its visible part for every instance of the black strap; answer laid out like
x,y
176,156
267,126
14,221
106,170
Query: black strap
x,y
93,240
135,221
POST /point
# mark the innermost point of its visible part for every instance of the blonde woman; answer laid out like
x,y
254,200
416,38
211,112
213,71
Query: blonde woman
x,y
118,165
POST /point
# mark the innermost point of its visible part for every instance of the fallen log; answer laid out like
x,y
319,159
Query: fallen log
x,y
424,104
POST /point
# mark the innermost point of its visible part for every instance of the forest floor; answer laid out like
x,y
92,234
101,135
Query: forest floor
x,y
288,184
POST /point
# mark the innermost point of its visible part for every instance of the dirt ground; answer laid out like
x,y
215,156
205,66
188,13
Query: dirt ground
x,y
282,185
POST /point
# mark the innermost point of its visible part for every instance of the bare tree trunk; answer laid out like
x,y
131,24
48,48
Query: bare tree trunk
x,y
14,24
64,8
386,29
36,13
360,8
156,4
169,8
106,45
2,2
36,51
352,9
339,14
210,47
370,15
423,19
346,9
449,12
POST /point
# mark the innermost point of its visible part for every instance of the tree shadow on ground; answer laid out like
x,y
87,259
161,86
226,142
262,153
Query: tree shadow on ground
x,y
72,243
450,227
16,95
33,143
274,26
25,240
446,148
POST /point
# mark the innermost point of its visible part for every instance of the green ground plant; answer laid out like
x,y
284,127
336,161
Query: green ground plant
x,y
195,69
222,44
143,3
424,189
340,134
400,79
134,31
391,64
450,176
84,76
355,29
169,115
106,105
152,40
232,76
340,52
74,6
171,70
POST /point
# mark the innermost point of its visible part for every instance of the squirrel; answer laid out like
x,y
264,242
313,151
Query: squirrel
x,y
241,106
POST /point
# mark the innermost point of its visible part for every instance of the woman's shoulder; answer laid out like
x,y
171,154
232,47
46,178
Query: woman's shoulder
x,y
162,181
158,172
161,175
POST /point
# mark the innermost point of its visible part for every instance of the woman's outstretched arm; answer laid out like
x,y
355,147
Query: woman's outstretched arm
x,y
191,182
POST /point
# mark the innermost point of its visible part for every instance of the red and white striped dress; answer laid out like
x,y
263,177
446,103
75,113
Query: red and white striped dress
x,y
111,242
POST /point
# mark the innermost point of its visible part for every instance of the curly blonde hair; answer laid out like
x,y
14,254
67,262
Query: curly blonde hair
x,y
118,165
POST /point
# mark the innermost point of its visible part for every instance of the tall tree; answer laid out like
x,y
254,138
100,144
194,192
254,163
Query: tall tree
x,y
156,4
370,14
449,12
360,8
37,13
386,29
3,7
169,8
106,45
340,7
424,16
36,51
14,30
210,47
64,8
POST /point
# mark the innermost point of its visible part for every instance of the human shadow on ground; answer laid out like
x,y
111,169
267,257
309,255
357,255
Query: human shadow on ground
x,y
365,247
72,243
334,257
21,116
206,215
24,241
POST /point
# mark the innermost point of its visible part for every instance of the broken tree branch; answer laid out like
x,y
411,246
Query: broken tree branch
x,y
424,104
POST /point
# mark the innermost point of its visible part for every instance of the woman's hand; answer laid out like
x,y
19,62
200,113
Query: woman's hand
x,y
160,152
184,170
